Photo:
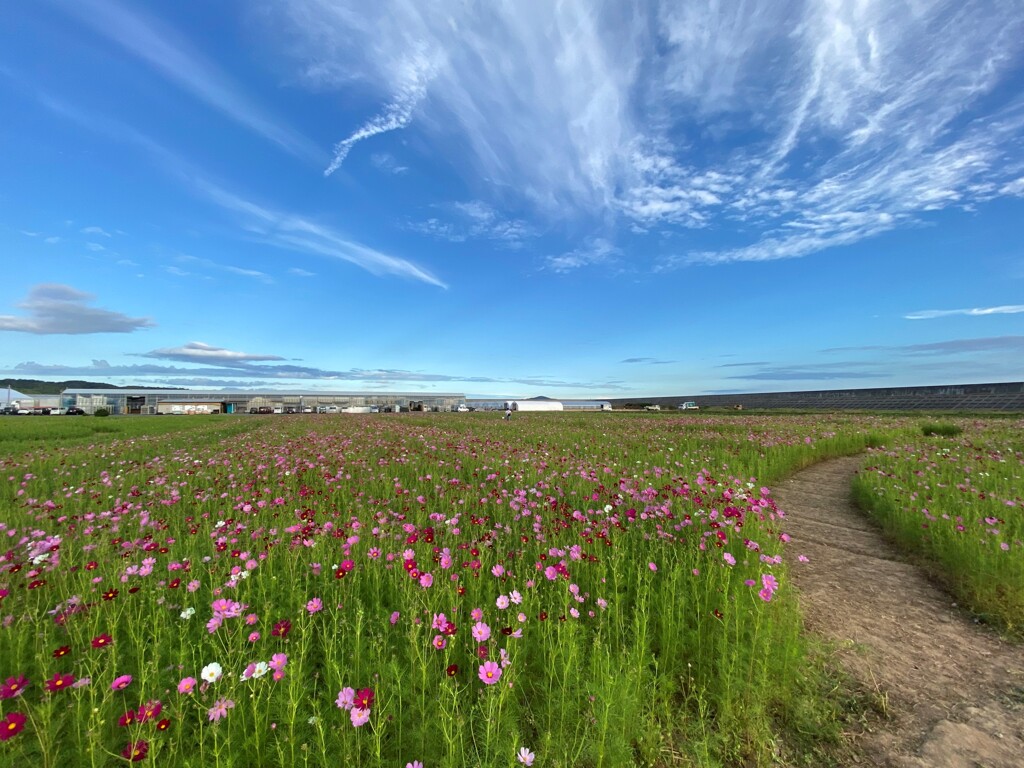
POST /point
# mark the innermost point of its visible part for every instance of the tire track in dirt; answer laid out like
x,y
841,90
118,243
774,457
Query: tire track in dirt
x,y
954,691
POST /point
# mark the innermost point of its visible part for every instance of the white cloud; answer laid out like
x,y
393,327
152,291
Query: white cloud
x,y
387,163
294,232
475,220
301,272
199,352
930,314
53,240
410,87
60,309
160,47
95,247
595,251
94,231
811,125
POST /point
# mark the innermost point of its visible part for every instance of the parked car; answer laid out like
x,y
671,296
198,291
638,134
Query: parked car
x,y
74,411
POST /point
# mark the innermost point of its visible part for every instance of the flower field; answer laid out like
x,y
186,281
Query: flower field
x,y
558,590
959,502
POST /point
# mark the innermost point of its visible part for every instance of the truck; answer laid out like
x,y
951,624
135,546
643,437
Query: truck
x,y
689,405
652,407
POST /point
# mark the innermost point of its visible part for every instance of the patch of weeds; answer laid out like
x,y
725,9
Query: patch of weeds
x,y
940,429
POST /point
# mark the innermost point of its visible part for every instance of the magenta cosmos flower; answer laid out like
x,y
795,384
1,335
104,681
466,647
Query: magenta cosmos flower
x,y
14,686
187,685
315,605
490,672
120,682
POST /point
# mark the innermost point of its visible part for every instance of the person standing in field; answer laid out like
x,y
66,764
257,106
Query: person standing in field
x,y
508,413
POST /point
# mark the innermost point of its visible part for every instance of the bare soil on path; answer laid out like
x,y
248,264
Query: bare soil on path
x,y
951,690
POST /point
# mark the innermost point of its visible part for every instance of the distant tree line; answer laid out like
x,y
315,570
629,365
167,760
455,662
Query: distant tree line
x,y
37,387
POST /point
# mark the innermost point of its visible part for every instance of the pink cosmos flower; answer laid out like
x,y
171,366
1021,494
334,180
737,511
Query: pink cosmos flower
x,y
346,698
394,617
502,602
525,756
477,614
220,709
120,683
729,558
315,605
489,672
414,764
426,580
440,641
480,632
653,566
359,716
254,636
278,661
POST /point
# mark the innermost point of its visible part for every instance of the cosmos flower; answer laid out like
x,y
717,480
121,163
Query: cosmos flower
x,y
12,725
120,682
14,686
489,672
212,672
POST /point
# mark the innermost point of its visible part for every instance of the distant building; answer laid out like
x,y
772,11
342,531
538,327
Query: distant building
x,y
586,405
534,404
153,401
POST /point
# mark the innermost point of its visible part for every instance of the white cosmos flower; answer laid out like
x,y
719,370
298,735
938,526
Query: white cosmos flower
x,y
212,672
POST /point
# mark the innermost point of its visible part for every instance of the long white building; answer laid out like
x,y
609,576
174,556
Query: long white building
x,y
191,401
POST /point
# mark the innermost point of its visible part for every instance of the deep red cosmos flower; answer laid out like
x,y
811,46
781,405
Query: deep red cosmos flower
x,y
102,641
364,699
13,687
59,682
453,670
282,628
12,725
110,594
135,750
64,650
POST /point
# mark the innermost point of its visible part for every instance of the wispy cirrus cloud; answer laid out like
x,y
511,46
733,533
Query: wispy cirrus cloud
x,y
931,314
475,220
409,85
53,308
297,233
808,125
596,250
159,45
282,229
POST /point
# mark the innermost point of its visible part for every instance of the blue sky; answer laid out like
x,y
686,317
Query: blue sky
x,y
568,199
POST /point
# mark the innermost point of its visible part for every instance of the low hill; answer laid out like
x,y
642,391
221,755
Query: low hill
x,y
37,387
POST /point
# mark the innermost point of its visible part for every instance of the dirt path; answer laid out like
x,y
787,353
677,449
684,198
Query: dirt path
x,y
953,692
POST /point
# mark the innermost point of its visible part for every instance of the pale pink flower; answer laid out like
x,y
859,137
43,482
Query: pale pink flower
x,y
220,709
346,698
315,605
480,632
359,716
525,756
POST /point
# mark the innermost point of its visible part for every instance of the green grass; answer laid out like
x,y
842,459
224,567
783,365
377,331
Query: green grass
x,y
684,663
958,504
